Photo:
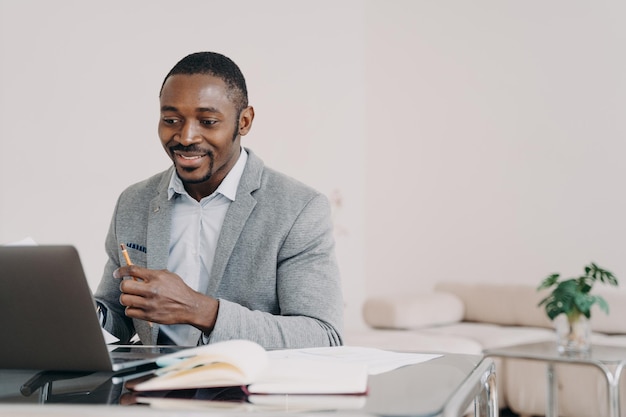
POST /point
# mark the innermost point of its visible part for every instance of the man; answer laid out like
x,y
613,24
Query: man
x,y
222,247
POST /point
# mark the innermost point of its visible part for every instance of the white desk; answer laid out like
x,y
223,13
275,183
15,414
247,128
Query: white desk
x,y
446,386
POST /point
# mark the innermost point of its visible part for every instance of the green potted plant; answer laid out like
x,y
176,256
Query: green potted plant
x,y
569,305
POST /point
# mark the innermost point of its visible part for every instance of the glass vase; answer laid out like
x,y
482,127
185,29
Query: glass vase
x,y
573,334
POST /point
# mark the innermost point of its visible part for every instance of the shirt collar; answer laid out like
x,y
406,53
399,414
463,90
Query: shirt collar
x,y
228,186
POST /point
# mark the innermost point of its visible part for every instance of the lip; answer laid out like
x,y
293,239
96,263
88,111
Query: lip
x,y
189,159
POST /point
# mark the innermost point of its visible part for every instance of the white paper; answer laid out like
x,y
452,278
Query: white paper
x,y
376,360
27,241
109,338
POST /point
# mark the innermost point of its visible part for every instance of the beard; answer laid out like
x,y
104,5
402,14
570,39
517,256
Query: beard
x,y
196,149
206,177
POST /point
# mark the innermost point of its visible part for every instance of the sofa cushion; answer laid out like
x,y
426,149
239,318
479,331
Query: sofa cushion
x,y
505,304
517,305
413,312
491,336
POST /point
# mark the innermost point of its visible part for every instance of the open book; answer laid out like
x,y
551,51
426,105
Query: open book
x,y
246,364
207,399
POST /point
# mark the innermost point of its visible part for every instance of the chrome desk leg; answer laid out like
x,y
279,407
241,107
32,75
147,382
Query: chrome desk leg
x,y
479,389
492,396
552,400
486,403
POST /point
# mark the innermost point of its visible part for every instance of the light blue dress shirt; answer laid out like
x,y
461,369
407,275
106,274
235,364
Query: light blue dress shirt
x,y
196,227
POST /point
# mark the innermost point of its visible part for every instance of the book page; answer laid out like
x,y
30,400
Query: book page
x,y
304,375
327,370
376,360
229,363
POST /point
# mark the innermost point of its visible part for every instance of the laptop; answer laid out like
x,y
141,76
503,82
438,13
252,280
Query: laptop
x,y
48,318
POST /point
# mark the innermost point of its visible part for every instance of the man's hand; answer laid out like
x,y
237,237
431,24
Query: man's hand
x,y
163,297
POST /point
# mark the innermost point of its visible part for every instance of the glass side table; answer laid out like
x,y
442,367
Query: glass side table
x,y
602,357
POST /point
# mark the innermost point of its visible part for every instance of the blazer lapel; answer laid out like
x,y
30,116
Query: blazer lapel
x,y
159,226
235,219
158,241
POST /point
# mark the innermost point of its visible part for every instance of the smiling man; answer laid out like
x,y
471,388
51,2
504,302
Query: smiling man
x,y
222,246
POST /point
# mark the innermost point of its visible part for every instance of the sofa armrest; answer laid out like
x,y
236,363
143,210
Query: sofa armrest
x,y
412,312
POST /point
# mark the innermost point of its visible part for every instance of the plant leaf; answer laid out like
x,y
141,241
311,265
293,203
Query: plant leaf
x,y
549,281
572,296
584,302
604,306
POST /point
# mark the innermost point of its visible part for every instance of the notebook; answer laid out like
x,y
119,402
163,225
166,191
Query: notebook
x,y
48,319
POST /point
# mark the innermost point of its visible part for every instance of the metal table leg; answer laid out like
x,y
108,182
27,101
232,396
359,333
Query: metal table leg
x,y
480,388
552,400
486,403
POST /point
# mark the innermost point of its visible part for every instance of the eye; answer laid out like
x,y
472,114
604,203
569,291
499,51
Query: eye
x,y
208,122
170,120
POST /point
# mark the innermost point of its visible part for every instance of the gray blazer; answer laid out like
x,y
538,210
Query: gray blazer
x,y
274,273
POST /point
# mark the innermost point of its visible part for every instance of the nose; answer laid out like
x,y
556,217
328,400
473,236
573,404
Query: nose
x,y
190,134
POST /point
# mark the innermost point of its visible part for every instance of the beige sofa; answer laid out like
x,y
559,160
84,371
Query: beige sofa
x,y
467,318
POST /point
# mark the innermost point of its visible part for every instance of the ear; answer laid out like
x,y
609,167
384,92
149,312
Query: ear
x,y
245,120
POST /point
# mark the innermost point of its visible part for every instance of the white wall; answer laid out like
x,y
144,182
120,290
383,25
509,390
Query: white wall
x,y
79,88
468,140
495,140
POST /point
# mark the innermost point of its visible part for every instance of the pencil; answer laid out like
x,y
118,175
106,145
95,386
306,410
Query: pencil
x,y
126,257
125,253
129,262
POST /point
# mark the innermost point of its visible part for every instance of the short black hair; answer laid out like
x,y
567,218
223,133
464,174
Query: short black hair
x,y
217,65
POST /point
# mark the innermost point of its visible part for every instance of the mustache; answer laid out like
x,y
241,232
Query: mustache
x,y
191,148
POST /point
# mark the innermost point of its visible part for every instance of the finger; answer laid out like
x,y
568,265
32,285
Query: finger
x,y
139,311
137,287
135,302
129,300
130,271
136,313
